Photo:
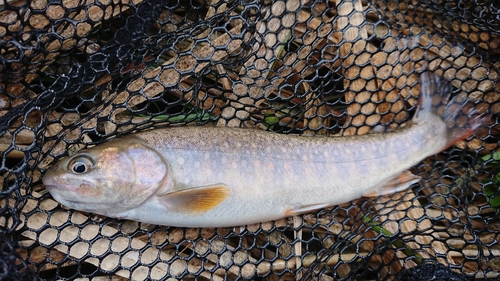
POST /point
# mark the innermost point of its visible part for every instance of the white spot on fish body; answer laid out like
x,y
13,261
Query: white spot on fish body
x,y
197,164
181,161
362,149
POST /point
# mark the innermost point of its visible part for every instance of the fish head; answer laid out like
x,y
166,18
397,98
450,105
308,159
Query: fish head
x,y
112,177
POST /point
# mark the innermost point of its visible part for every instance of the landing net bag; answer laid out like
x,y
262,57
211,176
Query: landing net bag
x,y
75,74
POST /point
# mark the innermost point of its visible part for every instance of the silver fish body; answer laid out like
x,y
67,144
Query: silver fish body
x,y
216,177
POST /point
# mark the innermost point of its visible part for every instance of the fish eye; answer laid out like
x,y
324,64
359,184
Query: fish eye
x,y
80,165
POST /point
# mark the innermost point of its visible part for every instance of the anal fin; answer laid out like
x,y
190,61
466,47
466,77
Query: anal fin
x,y
395,184
304,209
196,200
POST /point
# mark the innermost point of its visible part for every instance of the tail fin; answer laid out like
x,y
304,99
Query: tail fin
x,y
461,116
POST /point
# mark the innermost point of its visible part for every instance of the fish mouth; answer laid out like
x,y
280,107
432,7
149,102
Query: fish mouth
x,y
75,203
59,187
57,196
51,187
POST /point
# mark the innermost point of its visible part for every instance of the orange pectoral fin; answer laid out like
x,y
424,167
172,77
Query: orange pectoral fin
x,y
398,183
196,200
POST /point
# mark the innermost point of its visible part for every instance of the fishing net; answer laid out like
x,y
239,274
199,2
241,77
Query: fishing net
x,y
79,73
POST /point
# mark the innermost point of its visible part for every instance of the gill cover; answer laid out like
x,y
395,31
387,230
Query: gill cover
x,y
150,169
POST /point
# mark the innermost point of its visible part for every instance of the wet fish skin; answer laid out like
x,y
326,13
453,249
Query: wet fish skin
x,y
216,177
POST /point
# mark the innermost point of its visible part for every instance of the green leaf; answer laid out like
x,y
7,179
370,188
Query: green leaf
x,y
182,118
495,201
397,243
271,120
496,156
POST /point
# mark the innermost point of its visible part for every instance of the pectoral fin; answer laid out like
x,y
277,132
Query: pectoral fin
x,y
398,183
296,210
196,200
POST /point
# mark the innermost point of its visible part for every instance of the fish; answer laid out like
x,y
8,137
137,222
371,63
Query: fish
x,y
200,176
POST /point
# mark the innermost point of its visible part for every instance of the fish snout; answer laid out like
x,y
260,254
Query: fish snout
x,y
49,180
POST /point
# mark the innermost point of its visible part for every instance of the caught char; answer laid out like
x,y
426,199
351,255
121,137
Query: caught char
x,y
215,177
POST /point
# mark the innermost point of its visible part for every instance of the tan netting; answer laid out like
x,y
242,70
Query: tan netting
x,y
78,73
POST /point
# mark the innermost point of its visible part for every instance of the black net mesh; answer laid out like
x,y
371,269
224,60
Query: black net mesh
x,y
78,73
